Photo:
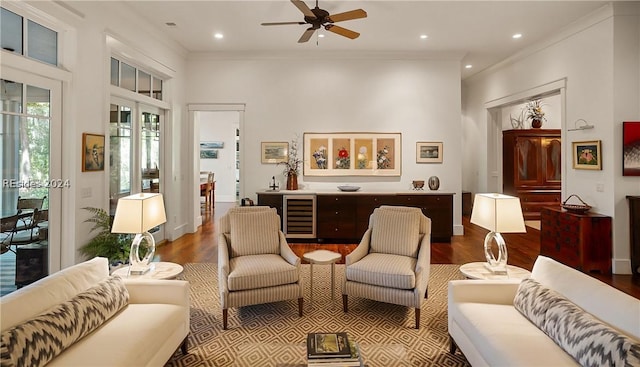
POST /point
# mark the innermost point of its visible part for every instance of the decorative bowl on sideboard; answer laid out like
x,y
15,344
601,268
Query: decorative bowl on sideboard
x,y
348,188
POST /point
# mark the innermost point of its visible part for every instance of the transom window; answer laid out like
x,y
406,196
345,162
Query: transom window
x,y
134,79
28,38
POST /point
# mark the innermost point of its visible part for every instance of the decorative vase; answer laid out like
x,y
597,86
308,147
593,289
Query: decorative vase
x,y
434,183
536,123
292,181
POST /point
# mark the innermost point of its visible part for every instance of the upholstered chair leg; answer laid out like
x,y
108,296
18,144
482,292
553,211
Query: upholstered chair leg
x,y
225,314
452,345
185,345
345,303
300,306
417,318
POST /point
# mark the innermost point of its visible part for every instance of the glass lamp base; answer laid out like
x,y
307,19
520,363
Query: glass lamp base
x,y
499,265
140,266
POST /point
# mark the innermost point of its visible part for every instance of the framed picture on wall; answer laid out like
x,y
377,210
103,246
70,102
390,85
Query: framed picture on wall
x,y
209,154
428,152
631,148
274,152
352,154
92,152
587,155
211,145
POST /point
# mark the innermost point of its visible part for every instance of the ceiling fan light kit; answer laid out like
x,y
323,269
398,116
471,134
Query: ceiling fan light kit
x,y
318,18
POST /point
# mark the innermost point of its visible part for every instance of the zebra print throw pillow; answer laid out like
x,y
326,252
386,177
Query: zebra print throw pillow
x,y
533,300
588,340
37,341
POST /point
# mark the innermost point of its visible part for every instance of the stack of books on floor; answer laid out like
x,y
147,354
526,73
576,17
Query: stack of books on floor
x,y
332,350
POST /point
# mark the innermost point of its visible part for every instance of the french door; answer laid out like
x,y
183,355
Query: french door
x,y
135,146
31,146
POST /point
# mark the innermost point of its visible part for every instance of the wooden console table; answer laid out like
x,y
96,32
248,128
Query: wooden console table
x,y
634,232
582,241
343,217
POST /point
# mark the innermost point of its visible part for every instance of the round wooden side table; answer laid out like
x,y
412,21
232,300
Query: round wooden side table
x,y
322,257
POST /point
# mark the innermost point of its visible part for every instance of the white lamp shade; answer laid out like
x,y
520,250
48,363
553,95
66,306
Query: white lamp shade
x,y
498,213
139,213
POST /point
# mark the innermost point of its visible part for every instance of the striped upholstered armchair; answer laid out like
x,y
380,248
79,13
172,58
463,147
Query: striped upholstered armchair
x,y
255,263
392,262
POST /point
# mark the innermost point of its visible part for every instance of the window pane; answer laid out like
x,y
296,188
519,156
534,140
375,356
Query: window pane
x,y
115,69
11,31
43,43
157,88
11,96
144,83
120,154
37,101
128,77
150,151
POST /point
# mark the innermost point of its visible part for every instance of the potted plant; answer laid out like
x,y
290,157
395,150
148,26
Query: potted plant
x,y
534,112
113,246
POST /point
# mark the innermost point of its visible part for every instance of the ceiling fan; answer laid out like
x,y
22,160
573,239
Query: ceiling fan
x,y
317,18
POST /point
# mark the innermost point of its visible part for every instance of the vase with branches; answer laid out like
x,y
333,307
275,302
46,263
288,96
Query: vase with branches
x,y
534,112
292,166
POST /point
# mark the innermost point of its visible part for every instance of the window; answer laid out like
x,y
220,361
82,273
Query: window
x,y
42,42
11,31
134,79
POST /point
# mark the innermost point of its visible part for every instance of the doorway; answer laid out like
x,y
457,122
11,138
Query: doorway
x,y
217,146
31,145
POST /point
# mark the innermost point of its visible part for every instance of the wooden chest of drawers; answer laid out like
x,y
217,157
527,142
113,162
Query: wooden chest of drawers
x,y
582,241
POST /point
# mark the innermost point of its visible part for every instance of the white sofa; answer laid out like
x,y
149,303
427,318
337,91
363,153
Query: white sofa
x,y
147,327
486,326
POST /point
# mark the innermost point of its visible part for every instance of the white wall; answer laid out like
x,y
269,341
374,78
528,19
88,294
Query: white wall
x,y
221,126
584,55
288,96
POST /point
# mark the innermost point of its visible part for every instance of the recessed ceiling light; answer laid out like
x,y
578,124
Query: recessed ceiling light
x,y
218,36
424,36
321,35
468,66
517,35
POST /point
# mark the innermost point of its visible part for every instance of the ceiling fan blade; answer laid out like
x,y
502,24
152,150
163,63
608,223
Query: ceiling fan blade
x,y
282,23
348,15
342,31
306,35
304,8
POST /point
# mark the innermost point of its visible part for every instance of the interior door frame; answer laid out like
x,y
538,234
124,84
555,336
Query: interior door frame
x,y
193,155
494,129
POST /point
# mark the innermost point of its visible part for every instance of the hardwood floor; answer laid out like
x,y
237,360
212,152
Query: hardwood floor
x,y
523,248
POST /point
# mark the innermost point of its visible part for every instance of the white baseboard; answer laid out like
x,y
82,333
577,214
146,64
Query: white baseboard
x,y
458,230
621,266
178,232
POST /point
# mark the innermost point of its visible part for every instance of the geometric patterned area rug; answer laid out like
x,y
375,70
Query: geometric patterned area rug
x,y
272,335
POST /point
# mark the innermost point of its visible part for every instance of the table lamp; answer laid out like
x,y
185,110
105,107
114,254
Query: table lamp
x,y
499,214
137,214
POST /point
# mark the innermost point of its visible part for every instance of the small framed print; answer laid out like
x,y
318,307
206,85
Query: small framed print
x,y
274,152
92,152
428,152
587,155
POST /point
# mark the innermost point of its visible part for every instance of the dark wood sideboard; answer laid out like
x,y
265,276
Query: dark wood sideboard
x,y
344,217
634,232
582,241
